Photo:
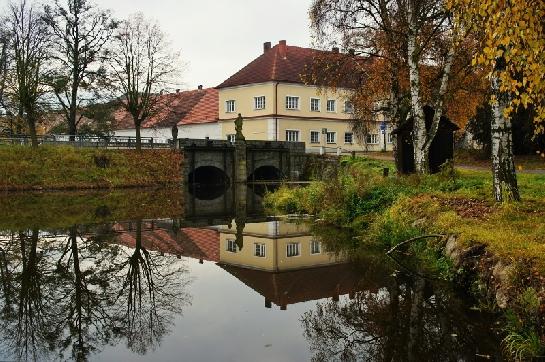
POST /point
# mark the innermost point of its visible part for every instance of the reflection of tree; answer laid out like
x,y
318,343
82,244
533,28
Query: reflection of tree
x,y
154,292
403,320
83,295
24,319
71,295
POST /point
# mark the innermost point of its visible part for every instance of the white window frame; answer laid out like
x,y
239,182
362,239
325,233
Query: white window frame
x,y
262,251
288,103
348,110
389,138
297,132
312,244
232,137
351,138
319,137
257,106
319,108
296,247
372,139
227,103
334,137
334,110
230,243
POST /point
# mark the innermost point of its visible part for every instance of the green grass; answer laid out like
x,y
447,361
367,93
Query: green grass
x,y
56,168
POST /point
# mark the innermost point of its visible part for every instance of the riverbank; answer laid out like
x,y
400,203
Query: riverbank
x,y
496,251
68,168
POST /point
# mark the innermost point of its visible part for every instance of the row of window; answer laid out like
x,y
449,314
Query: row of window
x,y
331,137
293,103
292,249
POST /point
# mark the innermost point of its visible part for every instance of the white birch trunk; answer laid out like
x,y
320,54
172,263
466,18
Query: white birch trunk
x,y
503,166
417,111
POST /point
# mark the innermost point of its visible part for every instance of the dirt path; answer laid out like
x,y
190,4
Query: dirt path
x,y
388,157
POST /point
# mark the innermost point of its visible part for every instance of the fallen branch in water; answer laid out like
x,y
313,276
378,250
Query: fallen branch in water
x,y
413,240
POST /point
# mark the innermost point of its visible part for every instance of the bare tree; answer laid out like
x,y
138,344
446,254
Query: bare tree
x,y
143,67
80,32
29,51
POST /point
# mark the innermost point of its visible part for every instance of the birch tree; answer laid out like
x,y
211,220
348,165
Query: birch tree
x,y
80,31
143,67
411,49
29,51
4,43
512,52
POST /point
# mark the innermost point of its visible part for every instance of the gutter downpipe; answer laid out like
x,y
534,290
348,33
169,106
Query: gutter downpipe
x,y
276,111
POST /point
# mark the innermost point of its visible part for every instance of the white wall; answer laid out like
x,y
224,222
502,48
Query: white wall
x,y
196,131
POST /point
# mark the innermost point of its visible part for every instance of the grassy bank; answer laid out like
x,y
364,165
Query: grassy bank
x,y
387,211
69,168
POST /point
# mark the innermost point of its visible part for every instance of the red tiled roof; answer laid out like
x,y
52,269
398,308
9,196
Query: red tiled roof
x,y
188,107
281,63
286,63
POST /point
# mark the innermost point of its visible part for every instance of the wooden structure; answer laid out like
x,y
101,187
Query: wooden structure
x,y
441,150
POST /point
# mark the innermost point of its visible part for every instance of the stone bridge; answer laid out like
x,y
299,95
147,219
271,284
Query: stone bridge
x,y
224,162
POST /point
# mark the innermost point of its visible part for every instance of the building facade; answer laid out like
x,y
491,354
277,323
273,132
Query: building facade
x,y
278,106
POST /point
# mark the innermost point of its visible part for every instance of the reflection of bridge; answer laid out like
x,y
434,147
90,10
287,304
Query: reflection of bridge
x,y
218,161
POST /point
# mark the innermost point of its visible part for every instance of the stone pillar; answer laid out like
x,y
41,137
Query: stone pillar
x,y
241,171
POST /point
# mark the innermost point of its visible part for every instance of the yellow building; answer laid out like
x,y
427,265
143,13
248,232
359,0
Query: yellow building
x,y
276,105
273,246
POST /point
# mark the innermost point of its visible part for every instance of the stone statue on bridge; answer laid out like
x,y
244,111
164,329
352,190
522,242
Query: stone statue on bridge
x,y
238,128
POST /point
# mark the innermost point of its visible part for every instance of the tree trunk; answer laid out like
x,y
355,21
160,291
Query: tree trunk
x,y
138,137
421,163
503,165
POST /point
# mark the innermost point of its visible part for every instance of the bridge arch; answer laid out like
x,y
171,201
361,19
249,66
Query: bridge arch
x,y
208,182
266,173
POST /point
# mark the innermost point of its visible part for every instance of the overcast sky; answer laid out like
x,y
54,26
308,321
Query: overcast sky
x,y
218,37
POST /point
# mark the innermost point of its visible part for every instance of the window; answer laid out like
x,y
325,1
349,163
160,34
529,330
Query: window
x,y
315,247
292,249
331,137
314,137
390,138
315,104
372,138
348,107
259,250
259,102
292,136
331,106
348,137
232,246
230,106
231,138
292,102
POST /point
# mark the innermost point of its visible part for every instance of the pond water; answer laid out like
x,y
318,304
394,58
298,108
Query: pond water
x,y
161,275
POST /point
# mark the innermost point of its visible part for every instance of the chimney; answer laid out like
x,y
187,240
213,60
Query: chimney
x,y
178,90
335,50
200,87
266,46
351,51
282,48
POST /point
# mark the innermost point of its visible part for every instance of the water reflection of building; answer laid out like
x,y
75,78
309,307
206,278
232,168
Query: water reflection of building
x,y
281,261
285,263
201,244
273,246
